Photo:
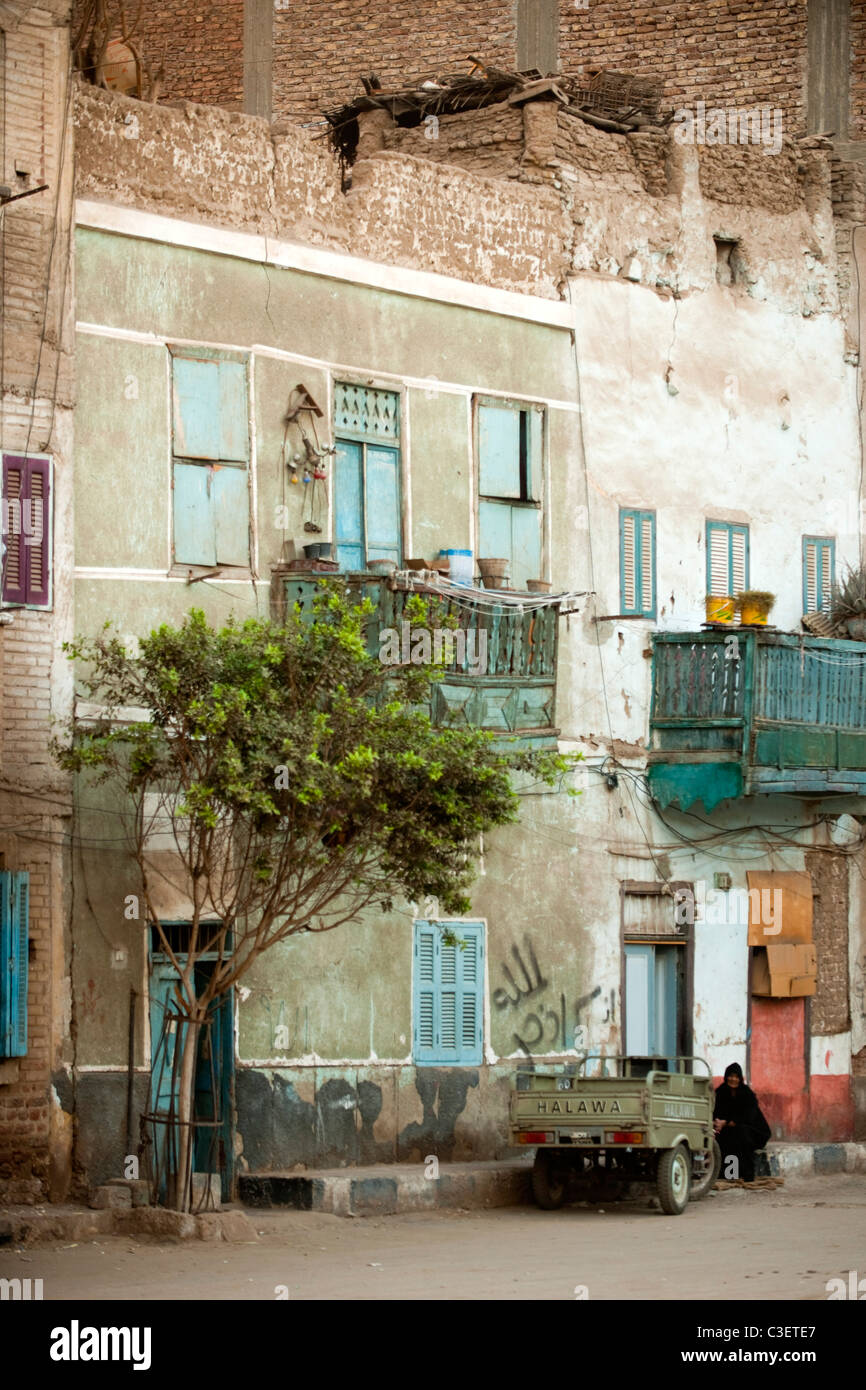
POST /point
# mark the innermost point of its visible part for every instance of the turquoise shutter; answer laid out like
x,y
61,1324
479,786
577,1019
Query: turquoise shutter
x,y
196,414
819,563
194,531
637,563
383,504
494,532
233,412
525,545
448,1025
499,451
348,510
230,508
14,922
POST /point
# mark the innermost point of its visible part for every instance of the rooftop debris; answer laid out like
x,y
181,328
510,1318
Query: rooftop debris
x,y
615,101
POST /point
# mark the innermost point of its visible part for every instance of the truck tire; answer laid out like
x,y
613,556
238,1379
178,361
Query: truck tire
x,y
549,1181
674,1180
702,1185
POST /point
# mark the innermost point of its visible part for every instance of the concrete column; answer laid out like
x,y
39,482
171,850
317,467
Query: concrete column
x,y
829,49
258,57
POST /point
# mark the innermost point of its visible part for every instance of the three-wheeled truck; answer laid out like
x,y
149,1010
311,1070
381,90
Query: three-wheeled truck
x,y
644,1124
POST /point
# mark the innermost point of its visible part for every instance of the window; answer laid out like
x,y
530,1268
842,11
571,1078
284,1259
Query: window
x,y
819,564
637,568
448,1018
367,508
14,893
509,488
656,950
727,558
211,452
27,531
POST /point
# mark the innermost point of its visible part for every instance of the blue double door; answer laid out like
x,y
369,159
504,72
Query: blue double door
x,y
367,522
214,1073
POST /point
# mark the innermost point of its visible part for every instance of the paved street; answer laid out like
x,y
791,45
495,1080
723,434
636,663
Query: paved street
x,y
756,1245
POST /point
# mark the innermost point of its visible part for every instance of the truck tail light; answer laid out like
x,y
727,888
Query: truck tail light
x,y
624,1136
534,1137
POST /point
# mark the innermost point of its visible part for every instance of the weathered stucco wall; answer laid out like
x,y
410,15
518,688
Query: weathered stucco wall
x,y
677,392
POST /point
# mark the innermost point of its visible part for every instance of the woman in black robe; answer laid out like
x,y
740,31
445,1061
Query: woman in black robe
x,y
739,1124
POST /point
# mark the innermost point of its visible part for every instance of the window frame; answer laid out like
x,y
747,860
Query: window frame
x,y
198,352
531,471
640,515
47,533
364,440
732,528
478,928
822,542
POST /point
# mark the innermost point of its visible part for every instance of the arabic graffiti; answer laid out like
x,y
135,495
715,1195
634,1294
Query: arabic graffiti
x,y
549,1020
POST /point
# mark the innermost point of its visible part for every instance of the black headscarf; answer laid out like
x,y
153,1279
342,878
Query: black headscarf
x,y
740,1104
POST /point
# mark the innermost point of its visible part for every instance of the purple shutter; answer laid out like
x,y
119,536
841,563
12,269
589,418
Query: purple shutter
x,y
37,531
14,562
26,530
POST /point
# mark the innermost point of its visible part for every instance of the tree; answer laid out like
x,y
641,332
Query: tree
x,y
300,780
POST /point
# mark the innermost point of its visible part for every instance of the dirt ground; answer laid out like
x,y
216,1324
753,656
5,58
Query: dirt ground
x,y
783,1244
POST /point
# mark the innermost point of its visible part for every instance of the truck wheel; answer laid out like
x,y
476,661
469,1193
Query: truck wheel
x,y
549,1181
703,1182
674,1180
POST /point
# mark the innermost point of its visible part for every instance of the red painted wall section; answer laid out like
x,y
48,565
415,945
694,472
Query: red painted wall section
x,y
817,1109
778,1065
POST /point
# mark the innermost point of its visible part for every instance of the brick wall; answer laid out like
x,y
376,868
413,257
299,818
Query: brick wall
x,y
200,44
724,51
830,1012
35,417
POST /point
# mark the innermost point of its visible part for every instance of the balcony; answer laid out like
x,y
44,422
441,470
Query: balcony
x,y
766,713
511,693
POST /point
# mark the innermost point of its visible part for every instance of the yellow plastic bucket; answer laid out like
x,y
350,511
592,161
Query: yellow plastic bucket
x,y
720,609
754,612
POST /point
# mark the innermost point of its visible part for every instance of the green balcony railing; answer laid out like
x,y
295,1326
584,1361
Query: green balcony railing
x,y
745,712
503,676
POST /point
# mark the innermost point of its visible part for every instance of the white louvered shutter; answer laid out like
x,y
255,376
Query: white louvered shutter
x,y
738,562
646,573
629,564
719,571
811,577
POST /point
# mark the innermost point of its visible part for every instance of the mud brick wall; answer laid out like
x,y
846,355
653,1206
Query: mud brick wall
x,y
830,1011
746,174
858,70
489,141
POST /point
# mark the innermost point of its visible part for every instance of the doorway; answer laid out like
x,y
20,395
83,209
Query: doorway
x,y
654,1001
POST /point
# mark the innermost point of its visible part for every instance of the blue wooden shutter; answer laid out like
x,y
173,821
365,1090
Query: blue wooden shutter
x,y
819,557
498,451
382,504
230,506
637,562
448,1025
194,530
348,508
196,414
14,921
525,545
727,558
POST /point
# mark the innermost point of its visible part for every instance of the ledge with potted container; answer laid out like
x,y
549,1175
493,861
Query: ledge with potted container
x,y
755,606
848,608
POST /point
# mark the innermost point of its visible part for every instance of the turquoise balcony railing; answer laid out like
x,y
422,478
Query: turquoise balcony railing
x,y
746,712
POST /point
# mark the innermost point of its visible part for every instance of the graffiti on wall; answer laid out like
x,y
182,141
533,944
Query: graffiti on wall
x,y
552,1023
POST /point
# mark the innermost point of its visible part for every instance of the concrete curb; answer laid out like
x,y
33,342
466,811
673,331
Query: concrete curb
x,y
386,1190
35,1225
810,1160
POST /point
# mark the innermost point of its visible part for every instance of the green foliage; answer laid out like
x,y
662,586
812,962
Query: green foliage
x,y
849,597
307,780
